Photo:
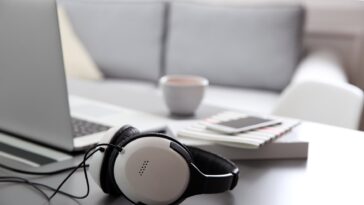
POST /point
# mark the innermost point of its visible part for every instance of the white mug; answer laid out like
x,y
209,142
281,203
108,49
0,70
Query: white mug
x,y
183,93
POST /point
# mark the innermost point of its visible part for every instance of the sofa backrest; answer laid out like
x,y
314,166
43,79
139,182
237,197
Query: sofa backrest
x,y
243,46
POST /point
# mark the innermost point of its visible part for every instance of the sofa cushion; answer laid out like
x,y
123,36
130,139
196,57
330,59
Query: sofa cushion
x,y
123,37
245,46
244,99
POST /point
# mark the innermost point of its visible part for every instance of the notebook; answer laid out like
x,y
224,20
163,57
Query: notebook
x,y
248,140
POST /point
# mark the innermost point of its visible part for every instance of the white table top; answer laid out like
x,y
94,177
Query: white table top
x,y
332,174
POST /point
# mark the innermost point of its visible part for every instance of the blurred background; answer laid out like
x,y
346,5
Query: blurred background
x,y
333,26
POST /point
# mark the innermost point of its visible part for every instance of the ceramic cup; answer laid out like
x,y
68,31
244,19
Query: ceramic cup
x,y
183,93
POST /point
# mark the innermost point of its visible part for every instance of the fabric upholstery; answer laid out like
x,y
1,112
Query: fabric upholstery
x,y
123,37
244,46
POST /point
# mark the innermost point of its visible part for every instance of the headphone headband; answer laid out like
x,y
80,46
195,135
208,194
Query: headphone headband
x,y
211,173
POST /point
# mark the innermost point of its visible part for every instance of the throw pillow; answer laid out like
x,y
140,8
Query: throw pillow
x,y
77,61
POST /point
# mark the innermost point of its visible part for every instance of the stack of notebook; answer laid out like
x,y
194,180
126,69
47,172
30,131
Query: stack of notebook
x,y
252,139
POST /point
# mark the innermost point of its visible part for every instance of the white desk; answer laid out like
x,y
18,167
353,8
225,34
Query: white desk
x,y
332,174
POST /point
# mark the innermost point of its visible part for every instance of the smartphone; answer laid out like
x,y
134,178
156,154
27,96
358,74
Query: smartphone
x,y
243,124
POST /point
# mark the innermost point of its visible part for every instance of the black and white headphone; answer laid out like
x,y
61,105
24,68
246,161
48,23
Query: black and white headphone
x,y
155,169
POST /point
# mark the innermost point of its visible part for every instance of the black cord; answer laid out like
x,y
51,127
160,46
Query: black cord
x,y
35,185
83,165
85,158
24,181
53,189
73,171
38,173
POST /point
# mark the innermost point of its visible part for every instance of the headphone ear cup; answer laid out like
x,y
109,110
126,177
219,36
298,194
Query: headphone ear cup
x,y
152,169
107,180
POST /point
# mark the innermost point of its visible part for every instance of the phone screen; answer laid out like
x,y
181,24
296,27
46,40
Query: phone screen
x,y
244,122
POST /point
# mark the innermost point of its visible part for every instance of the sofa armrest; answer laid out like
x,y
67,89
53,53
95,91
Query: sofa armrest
x,y
320,66
319,92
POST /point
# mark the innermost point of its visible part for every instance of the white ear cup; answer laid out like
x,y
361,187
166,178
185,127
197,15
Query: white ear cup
x,y
148,170
95,160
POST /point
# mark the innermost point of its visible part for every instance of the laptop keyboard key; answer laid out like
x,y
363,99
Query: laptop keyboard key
x,y
84,127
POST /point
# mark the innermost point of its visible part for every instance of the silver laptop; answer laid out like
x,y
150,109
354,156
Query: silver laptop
x,y
33,93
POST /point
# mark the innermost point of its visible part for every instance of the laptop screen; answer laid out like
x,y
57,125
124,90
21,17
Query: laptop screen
x,y
34,103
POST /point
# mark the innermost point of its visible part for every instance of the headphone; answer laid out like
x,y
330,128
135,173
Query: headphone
x,y
155,169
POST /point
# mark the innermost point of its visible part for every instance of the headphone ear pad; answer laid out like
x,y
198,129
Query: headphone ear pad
x,y
107,180
97,158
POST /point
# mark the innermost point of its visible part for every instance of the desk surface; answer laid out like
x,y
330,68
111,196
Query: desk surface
x,y
332,174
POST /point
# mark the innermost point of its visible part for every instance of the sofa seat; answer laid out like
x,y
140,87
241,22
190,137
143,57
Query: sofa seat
x,y
251,100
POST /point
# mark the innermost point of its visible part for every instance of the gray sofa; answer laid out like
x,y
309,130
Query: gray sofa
x,y
253,56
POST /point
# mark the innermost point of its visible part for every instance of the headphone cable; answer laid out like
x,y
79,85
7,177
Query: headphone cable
x,y
23,181
39,173
38,186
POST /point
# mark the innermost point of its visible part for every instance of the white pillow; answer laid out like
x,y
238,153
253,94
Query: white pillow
x,y
77,61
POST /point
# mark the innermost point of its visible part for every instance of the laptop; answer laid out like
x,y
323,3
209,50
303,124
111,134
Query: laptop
x,y
34,103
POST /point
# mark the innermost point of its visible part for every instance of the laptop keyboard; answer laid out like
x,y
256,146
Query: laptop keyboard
x,y
84,127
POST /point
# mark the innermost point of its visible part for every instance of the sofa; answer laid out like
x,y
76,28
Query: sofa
x,y
253,56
